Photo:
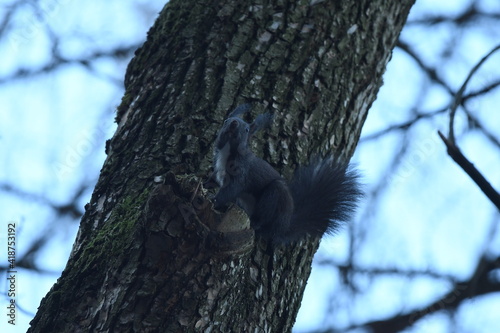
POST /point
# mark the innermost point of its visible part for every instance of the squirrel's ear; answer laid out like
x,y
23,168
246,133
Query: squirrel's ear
x,y
261,122
240,110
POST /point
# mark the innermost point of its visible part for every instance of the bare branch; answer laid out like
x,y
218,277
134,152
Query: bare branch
x,y
71,208
479,284
458,96
431,72
117,53
470,15
471,170
407,273
404,126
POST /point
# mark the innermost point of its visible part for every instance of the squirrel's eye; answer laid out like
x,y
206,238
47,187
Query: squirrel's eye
x,y
247,129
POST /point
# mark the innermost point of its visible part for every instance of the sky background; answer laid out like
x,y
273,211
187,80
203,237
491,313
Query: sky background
x,y
422,212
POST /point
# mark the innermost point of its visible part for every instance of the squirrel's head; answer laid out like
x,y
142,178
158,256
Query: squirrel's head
x,y
234,131
237,132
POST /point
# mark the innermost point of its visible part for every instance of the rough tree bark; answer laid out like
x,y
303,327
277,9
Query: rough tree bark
x,y
151,254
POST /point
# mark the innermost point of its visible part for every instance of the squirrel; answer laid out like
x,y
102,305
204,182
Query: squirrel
x,y
319,199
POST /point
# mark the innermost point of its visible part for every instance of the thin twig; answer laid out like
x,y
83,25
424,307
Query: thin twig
x,y
471,170
195,191
458,96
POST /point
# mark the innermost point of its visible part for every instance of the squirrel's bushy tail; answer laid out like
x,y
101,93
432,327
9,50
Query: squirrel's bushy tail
x,y
325,196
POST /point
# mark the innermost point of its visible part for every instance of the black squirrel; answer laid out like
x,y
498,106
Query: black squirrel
x,y
320,197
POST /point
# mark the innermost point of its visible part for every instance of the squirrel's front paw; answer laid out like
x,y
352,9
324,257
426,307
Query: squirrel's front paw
x,y
219,204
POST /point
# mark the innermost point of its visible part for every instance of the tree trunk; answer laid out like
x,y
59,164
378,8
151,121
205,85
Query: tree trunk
x,y
151,254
